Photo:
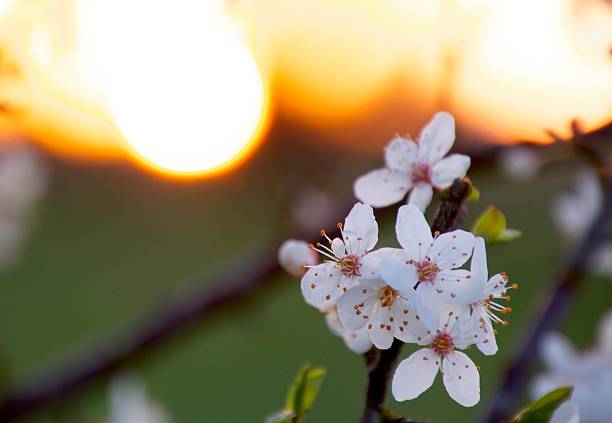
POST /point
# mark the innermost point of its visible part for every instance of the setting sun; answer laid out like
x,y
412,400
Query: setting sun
x,y
182,89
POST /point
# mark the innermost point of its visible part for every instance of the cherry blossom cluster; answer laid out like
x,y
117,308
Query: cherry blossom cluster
x,y
423,293
589,372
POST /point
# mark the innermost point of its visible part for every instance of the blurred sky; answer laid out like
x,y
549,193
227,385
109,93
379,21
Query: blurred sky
x,y
193,87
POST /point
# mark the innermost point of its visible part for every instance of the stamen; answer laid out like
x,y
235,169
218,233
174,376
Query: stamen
x,y
322,252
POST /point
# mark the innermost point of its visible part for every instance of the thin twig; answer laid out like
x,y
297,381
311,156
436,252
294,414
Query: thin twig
x,y
552,315
448,218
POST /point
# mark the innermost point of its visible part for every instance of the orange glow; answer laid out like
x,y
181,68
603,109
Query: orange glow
x,y
191,99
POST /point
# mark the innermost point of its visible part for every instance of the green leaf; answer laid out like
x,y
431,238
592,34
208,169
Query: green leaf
x,y
542,409
305,389
474,194
301,396
491,225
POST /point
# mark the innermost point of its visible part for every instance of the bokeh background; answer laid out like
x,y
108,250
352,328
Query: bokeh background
x,y
177,138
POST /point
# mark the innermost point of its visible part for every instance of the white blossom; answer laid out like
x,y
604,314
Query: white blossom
x,y
589,373
519,163
604,336
130,402
481,293
417,373
415,166
575,212
568,412
357,341
349,259
23,180
294,255
428,268
384,312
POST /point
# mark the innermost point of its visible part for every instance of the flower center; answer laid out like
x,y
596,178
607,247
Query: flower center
x,y
421,173
442,344
349,266
387,295
427,271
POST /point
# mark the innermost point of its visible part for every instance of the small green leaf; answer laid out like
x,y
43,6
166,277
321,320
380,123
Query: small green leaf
x,y
301,396
491,225
474,194
305,389
543,408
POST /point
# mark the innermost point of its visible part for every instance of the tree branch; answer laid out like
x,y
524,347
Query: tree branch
x,y
552,315
449,216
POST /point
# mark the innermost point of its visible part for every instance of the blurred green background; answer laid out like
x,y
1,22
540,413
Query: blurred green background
x,y
109,243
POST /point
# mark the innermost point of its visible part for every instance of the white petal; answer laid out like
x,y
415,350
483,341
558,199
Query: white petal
x,y
488,346
461,378
420,196
333,322
479,267
519,163
293,254
415,375
448,169
357,341
401,154
379,327
604,341
338,248
429,306
360,231
437,138
496,286
408,328
574,212
400,275
601,261
323,284
567,412
382,187
557,353
460,287
413,232
451,250
369,266
352,314
468,330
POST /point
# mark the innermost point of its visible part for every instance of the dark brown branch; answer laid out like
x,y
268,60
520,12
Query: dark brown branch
x,y
556,308
448,218
485,153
